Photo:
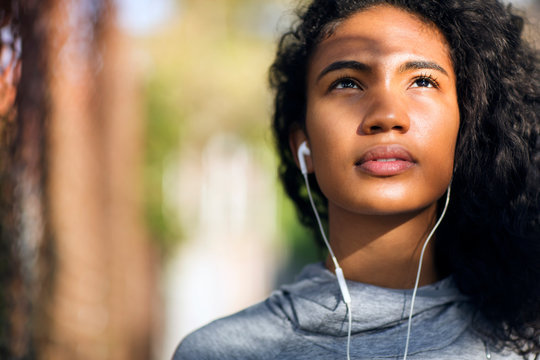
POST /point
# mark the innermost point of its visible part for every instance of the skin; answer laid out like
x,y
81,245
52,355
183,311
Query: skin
x,y
383,78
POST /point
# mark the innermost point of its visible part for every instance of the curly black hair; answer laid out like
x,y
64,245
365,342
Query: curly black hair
x,y
490,238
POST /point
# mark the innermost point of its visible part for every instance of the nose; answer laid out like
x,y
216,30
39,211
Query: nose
x,y
385,112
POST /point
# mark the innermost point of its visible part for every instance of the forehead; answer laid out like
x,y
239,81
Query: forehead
x,y
380,32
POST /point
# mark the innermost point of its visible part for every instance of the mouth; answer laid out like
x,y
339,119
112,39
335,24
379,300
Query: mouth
x,y
385,160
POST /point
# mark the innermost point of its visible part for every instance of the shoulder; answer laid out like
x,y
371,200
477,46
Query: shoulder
x,y
254,333
470,344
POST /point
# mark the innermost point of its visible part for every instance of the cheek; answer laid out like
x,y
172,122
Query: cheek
x,y
331,138
329,131
334,140
438,135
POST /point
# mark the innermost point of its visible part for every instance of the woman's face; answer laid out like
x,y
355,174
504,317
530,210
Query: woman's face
x,y
382,114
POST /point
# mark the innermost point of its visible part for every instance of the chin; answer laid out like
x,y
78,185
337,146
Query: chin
x,y
393,210
382,206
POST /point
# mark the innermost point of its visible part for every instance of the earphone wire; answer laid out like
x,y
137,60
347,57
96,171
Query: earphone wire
x,y
339,272
349,332
418,272
319,221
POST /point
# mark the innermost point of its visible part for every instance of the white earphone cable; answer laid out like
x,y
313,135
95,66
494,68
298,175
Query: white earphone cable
x,y
420,270
303,150
319,221
339,272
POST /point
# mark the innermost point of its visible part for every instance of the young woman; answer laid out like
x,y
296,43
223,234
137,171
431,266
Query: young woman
x,y
402,114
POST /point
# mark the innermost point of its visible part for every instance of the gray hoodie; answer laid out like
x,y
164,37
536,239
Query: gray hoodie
x,y
308,320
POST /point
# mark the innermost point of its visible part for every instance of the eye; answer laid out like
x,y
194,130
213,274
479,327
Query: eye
x,y
345,83
425,81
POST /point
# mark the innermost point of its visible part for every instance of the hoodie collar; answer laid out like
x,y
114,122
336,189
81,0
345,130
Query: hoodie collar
x,y
315,307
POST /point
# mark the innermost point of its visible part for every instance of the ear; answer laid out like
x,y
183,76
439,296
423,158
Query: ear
x,y
296,138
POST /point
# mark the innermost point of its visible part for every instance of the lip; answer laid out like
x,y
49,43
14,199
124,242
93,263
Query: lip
x,y
385,160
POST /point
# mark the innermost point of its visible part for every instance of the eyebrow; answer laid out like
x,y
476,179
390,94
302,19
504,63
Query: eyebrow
x,y
349,64
419,65
358,66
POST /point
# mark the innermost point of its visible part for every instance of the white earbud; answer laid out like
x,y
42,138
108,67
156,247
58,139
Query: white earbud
x,y
303,151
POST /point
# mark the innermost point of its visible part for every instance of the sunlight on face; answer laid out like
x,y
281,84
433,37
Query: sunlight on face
x,y
382,113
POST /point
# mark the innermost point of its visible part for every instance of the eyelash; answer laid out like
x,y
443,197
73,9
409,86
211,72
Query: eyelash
x,y
341,80
429,78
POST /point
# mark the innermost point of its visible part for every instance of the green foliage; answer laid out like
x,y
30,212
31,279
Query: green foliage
x,y
209,75
162,142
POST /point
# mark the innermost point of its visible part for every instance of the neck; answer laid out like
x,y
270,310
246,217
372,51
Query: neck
x,y
383,250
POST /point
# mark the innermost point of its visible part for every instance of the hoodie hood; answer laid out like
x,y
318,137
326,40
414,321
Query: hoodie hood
x,y
314,306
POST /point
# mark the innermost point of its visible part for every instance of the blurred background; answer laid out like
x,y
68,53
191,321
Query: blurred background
x,y
139,192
